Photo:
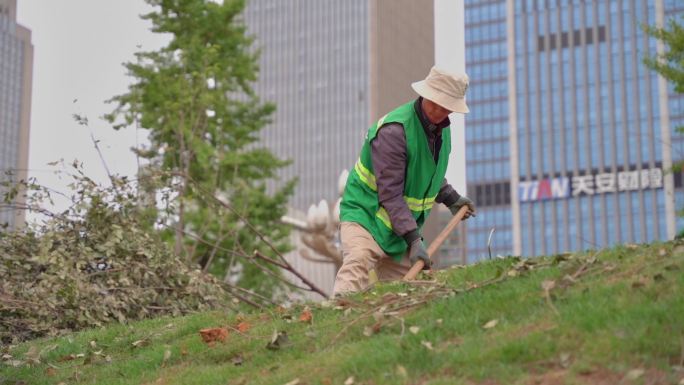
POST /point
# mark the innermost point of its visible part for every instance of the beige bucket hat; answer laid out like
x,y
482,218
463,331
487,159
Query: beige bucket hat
x,y
444,88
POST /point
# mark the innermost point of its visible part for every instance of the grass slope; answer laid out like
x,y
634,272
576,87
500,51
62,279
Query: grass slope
x,y
606,317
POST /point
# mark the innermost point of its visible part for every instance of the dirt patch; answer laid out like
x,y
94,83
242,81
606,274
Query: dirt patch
x,y
534,327
553,377
485,382
655,377
598,376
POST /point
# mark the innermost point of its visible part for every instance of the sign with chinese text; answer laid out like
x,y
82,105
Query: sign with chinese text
x,y
590,184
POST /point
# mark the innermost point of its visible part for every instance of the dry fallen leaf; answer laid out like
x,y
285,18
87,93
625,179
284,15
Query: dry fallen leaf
x,y
50,371
293,382
344,302
32,356
548,285
280,309
278,340
367,331
68,357
640,282
211,335
401,371
237,360
140,343
490,324
349,381
167,356
634,374
427,344
306,316
14,363
564,359
414,329
243,326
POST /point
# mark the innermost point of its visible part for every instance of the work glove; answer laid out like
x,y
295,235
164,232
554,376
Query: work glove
x,y
417,251
460,202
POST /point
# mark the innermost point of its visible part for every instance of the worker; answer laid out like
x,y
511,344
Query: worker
x,y
398,177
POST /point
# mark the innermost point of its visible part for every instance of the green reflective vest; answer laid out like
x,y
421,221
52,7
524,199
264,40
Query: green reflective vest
x,y
423,181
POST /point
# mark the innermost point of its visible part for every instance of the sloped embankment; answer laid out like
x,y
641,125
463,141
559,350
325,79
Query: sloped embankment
x,y
599,317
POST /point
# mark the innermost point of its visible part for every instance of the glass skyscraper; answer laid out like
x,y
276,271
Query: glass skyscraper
x,y
571,137
16,63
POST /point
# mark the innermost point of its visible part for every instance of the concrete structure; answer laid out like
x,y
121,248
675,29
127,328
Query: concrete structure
x,y
450,55
570,137
16,69
332,67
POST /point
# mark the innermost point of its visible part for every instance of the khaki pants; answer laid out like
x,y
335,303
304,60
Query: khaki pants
x,y
360,254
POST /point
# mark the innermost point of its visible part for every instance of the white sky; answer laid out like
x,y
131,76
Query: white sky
x,y
79,48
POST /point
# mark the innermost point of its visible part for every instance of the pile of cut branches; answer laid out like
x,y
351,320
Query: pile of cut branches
x,y
94,263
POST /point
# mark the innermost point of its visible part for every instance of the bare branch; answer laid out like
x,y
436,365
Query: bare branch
x,y
285,265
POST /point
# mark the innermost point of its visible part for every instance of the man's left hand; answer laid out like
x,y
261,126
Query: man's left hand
x,y
463,201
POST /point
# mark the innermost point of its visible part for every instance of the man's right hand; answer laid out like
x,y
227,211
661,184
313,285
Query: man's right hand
x,y
463,201
417,251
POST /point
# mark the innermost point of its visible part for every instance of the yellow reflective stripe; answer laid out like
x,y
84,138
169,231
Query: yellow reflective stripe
x,y
384,217
366,176
415,205
419,204
382,120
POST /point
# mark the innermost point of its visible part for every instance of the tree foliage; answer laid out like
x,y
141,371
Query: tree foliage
x,y
194,96
670,65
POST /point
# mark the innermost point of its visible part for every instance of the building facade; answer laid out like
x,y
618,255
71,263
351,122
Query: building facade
x,y
331,68
571,137
16,68
314,67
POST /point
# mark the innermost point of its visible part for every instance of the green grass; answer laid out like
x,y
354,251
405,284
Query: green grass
x,y
620,319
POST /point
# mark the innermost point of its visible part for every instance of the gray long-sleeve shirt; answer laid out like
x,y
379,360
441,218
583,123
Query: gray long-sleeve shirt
x,y
388,153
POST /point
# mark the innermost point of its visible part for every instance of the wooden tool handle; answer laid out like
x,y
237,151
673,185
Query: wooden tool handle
x,y
455,220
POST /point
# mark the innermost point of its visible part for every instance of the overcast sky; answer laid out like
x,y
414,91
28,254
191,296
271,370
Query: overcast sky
x,y
79,48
